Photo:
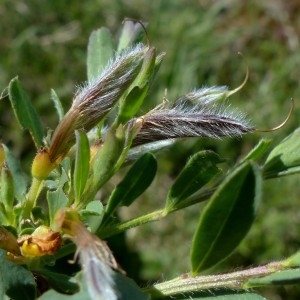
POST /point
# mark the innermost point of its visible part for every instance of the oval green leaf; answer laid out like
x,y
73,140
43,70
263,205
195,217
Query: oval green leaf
x,y
292,261
198,171
127,290
19,178
82,163
61,282
100,51
135,182
57,199
284,159
258,151
15,280
25,112
92,215
227,217
138,89
57,104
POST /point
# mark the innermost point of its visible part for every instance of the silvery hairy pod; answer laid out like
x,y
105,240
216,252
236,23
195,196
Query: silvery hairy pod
x,y
193,115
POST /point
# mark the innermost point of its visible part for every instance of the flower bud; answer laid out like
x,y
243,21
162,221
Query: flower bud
x,y
43,241
42,165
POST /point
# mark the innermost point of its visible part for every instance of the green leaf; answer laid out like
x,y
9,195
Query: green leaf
x,y
19,178
292,261
92,214
82,164
60,282
83,294
198,171
25,112
131,33
57,104
135,182
57,199
138,89
105,163
227,217
219,294
7,188
15,281
284,159
132,103
258,151
108,155
282,277
100,51
127,290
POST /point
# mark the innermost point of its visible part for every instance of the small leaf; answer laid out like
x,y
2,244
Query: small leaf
x,y
106,158
137,91
15,281
57,199
92,214
132,103
198,171
258,151
61,282
227,217
25,112
19,178
100,51
131,33
282,277
57,104
82,164
83,294
7,188
135,182
292,261
127,289
284,159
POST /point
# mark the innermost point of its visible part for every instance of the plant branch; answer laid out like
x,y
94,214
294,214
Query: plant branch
x,y
235,280
112,229
33,193
120,227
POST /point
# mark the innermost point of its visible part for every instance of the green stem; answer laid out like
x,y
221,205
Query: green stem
x,y
33,193
118,228
107,229
188,284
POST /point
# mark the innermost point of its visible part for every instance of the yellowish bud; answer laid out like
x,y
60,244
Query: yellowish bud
x,y
42,165
43,241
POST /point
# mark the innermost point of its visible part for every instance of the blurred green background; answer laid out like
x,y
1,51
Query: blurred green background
x,y
44,43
